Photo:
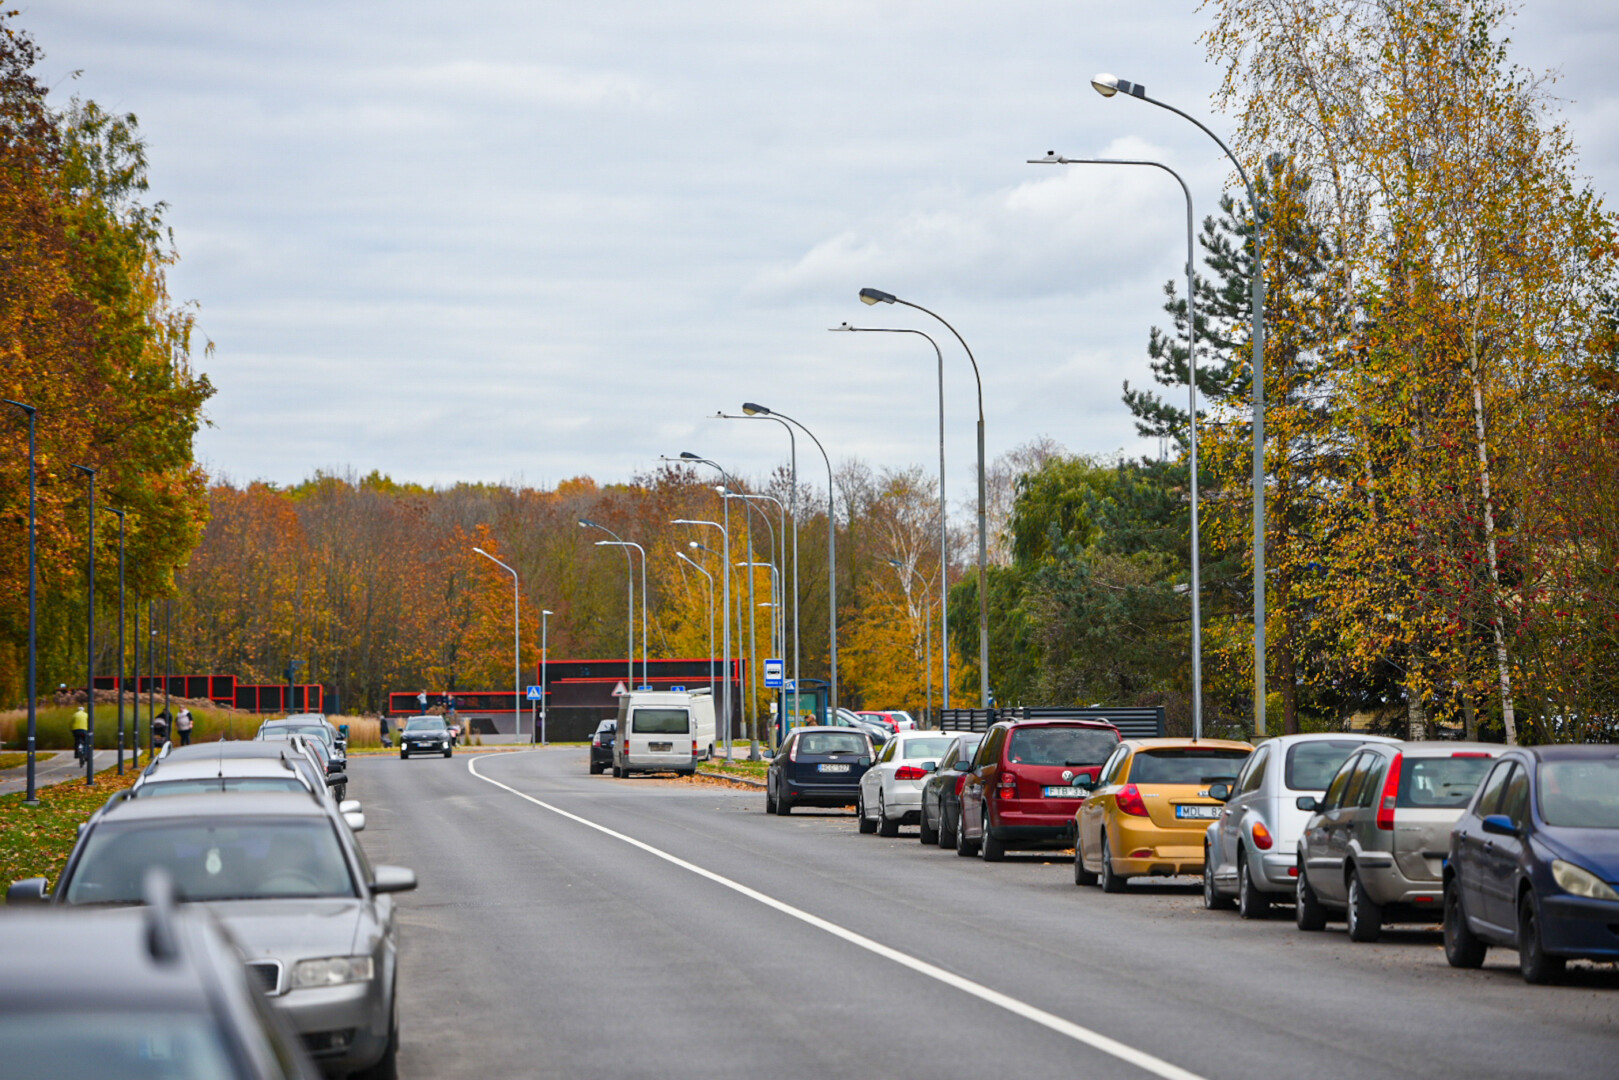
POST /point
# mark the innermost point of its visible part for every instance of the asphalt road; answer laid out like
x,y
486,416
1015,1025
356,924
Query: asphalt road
x,y
660,928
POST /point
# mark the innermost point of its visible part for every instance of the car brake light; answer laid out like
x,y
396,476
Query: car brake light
x,y
910,772
792,755
961,782
1262,837
694,748
596,741
1391,789
1006,786
1130,801
1468,753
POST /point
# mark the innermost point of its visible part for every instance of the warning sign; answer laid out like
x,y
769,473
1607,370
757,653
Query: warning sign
x,y
621,690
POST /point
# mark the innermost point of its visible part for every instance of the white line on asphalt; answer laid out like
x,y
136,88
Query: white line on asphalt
x,y
1077,1032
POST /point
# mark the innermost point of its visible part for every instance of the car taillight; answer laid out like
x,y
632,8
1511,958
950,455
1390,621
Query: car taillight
x,y
1471,753
1006,786
961,782
910,772
694,748
792,755
596,740
1130,801
1262,837
1391,789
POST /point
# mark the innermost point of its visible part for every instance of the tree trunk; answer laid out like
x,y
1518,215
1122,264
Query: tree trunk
x,y
1503,660
1469,716
1416,717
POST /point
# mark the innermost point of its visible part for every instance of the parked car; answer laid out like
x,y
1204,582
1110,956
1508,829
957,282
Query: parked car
x,y
288,882
314,725
158,991
941,792
843,718
1374,847
1027,780
817,766
291,751
1150,808
426,734
199,775
1251,851
1534,862
663,731
891,790
601,746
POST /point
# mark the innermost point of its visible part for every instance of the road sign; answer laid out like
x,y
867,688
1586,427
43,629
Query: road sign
x,y
677,689
773,674
534,693
791,684
621,690
643,688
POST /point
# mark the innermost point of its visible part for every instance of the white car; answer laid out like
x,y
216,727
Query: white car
x,y
891,790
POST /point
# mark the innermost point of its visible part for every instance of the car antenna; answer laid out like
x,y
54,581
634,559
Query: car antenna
x,y
162,939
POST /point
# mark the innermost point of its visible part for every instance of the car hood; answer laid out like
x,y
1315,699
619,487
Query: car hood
x,y
292,929
1597,850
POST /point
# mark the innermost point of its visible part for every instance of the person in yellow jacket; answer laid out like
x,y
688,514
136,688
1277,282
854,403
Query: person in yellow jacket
x,y
81,732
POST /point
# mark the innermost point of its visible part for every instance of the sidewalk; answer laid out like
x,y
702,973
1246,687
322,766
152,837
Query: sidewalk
x,y
54,766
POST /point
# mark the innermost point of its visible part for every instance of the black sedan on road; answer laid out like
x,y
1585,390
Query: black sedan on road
x,y
601,747
425,735
817,766
941,794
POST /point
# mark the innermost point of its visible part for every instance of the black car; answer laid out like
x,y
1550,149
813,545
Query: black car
x,y
817,766
941,794
425,734
155,991
601,747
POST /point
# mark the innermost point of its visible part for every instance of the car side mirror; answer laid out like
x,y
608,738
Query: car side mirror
x,y
349,806
355,820
1307,802
28,891
930,766
1500,825
336,778
1220,791
387,879
864,760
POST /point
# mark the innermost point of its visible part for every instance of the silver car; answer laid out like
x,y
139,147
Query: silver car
x,y
1374,848
287,879
1249,851
291,751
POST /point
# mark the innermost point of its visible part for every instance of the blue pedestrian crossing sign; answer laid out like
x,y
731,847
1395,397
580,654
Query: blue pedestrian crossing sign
x,y
534,694
774,674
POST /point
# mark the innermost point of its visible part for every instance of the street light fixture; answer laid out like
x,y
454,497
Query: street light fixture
x,y
877,296
629,602
517,645
725,602
646,681
710,577
1109,85
31,798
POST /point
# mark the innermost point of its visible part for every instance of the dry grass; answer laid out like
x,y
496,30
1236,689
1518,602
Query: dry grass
x,y
35,840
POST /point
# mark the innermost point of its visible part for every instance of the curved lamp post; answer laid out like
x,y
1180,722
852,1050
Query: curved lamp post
x,y
877,296
629,603
517,646
645,680
725,621
1108,86
698,567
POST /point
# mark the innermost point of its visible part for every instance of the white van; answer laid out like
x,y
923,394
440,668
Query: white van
x,y
663,730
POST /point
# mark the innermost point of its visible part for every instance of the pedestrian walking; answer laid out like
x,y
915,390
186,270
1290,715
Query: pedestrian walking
x,y
160,730
81,733
421,701
382,726
182,725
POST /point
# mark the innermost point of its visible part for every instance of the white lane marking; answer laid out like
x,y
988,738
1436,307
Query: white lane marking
x,y
1095,1039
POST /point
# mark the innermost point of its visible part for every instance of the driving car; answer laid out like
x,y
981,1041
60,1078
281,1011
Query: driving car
x,y
1533,862
1374,845
1250,852
890,792
941,791
601,746
314,920
1028,778
425,734
153,992
817,766
1149,809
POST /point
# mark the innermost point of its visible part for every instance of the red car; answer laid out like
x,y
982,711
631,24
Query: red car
x,y
890,719
1026,783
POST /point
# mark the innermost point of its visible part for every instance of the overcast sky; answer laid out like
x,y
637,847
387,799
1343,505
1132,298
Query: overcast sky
x,y
524,240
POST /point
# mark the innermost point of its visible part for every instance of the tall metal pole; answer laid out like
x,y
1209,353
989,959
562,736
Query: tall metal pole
x,y
545,656
710,577
151,677
168,665
33,614
121,680
517,645
629,603
90,639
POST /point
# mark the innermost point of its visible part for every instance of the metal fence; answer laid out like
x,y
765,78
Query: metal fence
x,y
1133,722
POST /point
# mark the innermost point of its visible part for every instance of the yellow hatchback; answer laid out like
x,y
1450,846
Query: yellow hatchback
x,y
1150,808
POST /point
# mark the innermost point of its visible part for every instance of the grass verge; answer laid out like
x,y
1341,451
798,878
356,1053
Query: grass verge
x,y
35,840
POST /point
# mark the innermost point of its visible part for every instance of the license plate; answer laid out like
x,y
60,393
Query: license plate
x,y
1065,792
833,768
660,747
1201,813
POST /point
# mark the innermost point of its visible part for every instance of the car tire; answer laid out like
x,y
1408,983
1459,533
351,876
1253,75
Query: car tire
x,y
404,755
867,825
784,803
1534,963
989,848
1082,876
947,827
1251,903
1111,882
1364,915
964,847
595,768
448,751
1463,948
1213,900
770,798
929,836
1308,914
885,827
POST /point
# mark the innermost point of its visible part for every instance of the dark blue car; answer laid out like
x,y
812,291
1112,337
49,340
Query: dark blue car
x,y
817,766
1534,862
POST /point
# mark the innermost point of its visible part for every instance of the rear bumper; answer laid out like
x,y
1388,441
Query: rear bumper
x,y
1278,872
820,794
1012,824
1575,926
1142,849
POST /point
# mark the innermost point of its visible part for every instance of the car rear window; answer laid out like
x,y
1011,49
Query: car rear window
x,y
831,742
1186,766
204,785
1580,794
1311,765
1056,745
660,721
1446,782
923,749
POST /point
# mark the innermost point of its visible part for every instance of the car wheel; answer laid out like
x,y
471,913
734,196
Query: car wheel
x,y
1212,899
404,755
947,827
448,751
1111,882
1463,948
1308,914
1534,963
1251,903
595,768
885,827
1365,916
1082,876
991,849
867,825
770,798
964,846
929,836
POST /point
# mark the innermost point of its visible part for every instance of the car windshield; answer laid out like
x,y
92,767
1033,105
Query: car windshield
x,y
212,860
925,749
1580,794
89,1043
281,731
425,723
1061,745
659,721
1312,765
1186,766
831,742
1445,783
204,785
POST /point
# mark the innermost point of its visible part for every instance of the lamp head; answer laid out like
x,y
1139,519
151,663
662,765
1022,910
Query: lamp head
x,y
754,410
547,611
840,326
876,296
586,523
687,455
1108,85
720,489
480,551
694,545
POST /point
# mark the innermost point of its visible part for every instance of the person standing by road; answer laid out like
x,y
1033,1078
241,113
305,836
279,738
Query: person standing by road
x,y
382,729
160,730
183,724
81,733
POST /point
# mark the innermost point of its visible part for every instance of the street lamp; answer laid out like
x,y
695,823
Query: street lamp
x,y
517,646
90,639
629,602
120,514
944,518
1052,157
877,296
927,647
33,617
725,602
646,682
1107,86
544,657
779,585
698,567
752,409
